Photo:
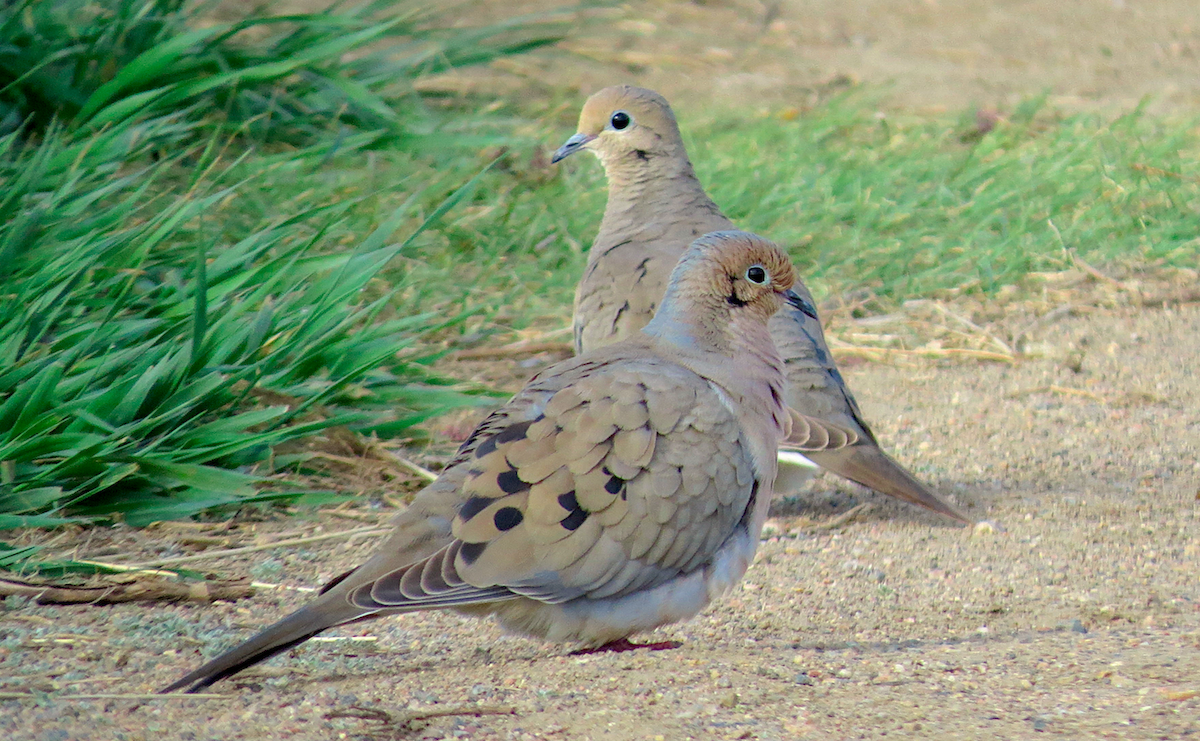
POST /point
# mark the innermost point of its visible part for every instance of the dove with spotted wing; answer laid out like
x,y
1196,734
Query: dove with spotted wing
x,y
656,207
618,491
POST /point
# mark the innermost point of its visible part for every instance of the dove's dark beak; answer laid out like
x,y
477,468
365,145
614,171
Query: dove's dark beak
x,y
798,302
570,147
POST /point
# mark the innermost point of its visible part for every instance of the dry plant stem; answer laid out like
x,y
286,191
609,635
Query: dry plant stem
x,y
130,696
363,531
1151,170
1190,296
136,590
407,464
355,516
845,517
127,569
411,716
1079,262
512,351
945,311
1054,389
883,354
1048,318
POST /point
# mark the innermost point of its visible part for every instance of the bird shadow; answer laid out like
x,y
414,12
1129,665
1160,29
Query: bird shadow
x,y
827,501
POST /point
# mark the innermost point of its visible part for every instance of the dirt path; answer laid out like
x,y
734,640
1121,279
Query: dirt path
x,y
931,54
1079,617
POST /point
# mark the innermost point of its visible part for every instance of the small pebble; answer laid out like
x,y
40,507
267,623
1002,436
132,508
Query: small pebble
x,y
986,527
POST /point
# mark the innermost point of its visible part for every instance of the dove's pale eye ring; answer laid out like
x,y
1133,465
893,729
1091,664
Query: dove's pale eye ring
x,y
620,120
756,274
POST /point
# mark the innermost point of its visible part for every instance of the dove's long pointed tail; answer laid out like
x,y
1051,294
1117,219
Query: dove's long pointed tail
x,y
288,632
875,469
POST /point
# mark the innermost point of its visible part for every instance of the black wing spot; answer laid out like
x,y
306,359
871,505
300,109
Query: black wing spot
x,y
510,483
472,551
574,520
487,447
642,154
512,433
575,514
614,485
515,432
507,518
473,506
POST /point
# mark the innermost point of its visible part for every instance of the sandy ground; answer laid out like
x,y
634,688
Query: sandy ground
x,y
1077,616
928,54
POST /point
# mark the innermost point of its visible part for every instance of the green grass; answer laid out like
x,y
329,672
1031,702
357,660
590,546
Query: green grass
x,y
904,207
912,208
182,306
152,360
298,78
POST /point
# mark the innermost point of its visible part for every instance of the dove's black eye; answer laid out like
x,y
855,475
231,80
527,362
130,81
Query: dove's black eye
x,y
756,274
620,120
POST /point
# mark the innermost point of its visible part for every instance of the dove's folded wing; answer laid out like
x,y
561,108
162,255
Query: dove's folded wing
x,y
625,480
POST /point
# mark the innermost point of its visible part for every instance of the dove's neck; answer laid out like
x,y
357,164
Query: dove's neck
x,y
735,353
646,193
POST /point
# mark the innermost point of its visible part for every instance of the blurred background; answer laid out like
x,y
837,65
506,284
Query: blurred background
x,y
930,54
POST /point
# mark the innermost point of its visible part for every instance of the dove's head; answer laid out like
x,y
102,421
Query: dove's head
x,y
726,282
625,124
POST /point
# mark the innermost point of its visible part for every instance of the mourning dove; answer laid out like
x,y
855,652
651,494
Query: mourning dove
x,y
656,207
618,491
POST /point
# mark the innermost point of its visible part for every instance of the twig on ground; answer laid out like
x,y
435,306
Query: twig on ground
x,y
517,349
845,518
1048,318
1095,273
408,717
882,354
405,463
945,311
269,585
364,531
135,589
121,696
1080,263
355,516
1158,171
1189,296
1055,389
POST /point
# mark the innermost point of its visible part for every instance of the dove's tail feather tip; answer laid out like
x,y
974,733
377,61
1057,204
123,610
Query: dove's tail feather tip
x,y
287,633
874,469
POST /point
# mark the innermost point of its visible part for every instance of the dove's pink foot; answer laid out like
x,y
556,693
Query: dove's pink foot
x,y
624,644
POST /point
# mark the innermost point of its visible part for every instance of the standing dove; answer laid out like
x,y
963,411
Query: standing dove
x,y
618,491
656,207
